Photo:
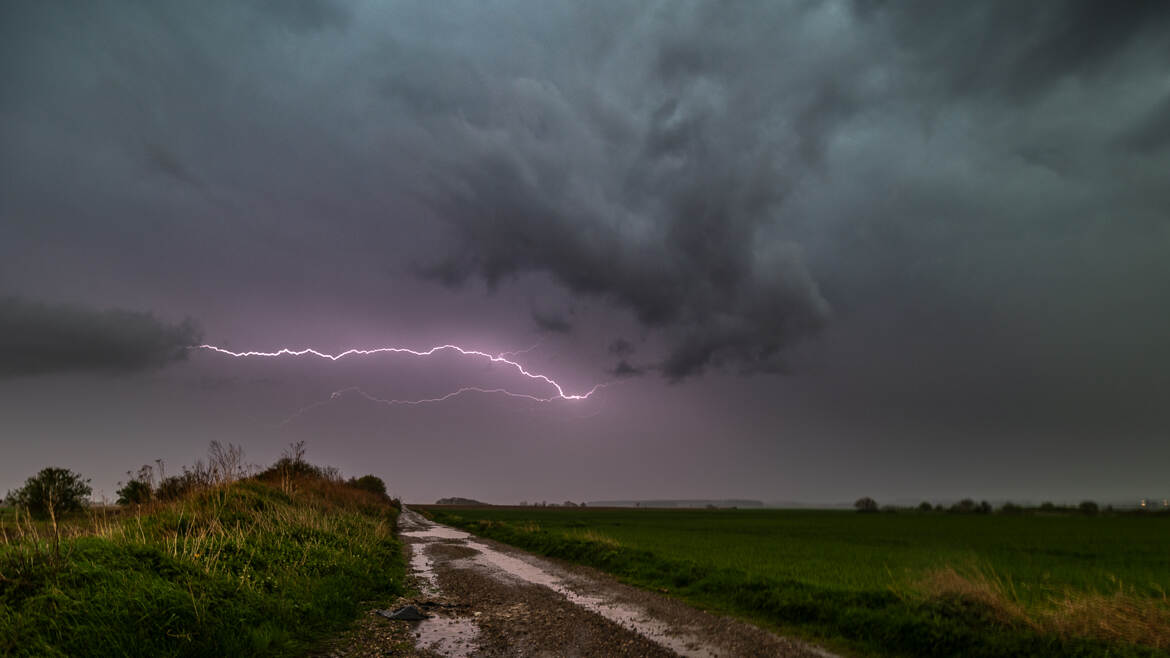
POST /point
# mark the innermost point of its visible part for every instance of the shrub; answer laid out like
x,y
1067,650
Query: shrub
x,y
925,507
51,492
371,483
866,504
134,492
1011,508
1088,507
178,486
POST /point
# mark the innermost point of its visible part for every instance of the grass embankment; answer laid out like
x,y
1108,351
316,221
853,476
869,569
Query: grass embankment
x,y
899,584
249,568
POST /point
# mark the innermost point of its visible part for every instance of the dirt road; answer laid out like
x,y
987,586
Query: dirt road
x,y
488,599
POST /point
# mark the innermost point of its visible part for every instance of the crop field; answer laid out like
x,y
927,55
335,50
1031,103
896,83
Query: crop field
x,y
903,583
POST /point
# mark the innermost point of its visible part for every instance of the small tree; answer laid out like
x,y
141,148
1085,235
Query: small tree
x,y
51,492
371,483
866,504
134,492
139,489
1088,508
925,507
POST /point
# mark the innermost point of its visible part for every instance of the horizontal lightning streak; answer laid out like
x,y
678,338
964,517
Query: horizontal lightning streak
x,y
357,351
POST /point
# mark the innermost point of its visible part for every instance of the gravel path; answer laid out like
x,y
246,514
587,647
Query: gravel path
x,y
489,599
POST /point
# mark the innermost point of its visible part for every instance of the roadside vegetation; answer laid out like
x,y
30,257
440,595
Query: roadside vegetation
x,y
221,559
1070,582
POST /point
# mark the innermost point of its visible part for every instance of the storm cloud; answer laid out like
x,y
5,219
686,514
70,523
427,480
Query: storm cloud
x,y
38,338
655,187
946,224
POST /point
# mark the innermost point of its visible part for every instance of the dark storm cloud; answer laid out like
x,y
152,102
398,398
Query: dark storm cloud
x,y
659,203
1151,133
1020,49
736,177
37,338
697,179
625,369
551,322
621,347
949,219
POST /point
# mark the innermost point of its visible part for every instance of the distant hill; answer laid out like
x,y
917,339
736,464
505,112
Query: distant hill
x,y
729,502
467,502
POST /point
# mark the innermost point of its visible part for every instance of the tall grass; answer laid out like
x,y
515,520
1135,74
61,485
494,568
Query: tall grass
x,y
244,568
1119,617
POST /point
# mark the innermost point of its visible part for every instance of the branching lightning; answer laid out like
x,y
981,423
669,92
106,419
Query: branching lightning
x,y
337,395
504,358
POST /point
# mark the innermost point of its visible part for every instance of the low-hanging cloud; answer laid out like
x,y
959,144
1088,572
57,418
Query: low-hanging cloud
x,y
38,338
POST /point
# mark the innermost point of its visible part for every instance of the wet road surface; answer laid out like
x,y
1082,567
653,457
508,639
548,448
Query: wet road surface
x,y
489,599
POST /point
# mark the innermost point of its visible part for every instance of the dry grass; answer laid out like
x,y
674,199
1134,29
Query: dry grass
x,y
1121,616
194,529
596,537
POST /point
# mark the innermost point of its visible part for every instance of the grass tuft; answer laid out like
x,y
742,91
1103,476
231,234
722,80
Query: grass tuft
x,y
1121,616
247,568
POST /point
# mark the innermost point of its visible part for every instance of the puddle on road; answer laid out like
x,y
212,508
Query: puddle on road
x,y
436,532
624,615
455,636
447,636
424,569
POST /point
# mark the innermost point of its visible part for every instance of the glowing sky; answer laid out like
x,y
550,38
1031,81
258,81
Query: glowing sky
x,y
823,249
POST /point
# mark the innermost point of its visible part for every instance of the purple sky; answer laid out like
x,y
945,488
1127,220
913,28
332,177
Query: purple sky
x,y
826,249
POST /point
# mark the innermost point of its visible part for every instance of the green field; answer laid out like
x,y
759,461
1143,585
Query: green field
x,y
902,583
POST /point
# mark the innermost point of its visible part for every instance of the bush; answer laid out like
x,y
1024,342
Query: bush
x,y
925,507
371,483
1011,508
866,504
1088,507
178,486
51,492
134,492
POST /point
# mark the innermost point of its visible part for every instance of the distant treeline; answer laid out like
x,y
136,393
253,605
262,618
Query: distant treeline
x,y
693,503
969,506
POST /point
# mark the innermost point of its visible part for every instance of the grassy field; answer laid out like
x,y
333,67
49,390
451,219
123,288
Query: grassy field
x,y
900,584
248,568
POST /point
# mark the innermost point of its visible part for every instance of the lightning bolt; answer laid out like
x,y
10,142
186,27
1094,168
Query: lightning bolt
x,y
501,358
496,358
